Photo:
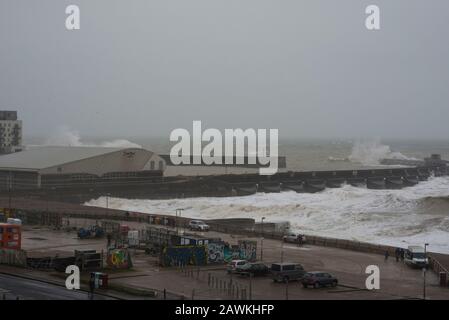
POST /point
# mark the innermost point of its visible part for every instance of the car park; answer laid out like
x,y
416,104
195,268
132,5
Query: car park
x,y
287,271
319,279
198,225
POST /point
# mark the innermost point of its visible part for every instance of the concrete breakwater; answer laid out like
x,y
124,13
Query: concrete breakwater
x,y
236,185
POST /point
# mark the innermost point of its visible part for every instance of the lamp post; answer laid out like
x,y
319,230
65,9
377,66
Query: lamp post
x,y
424,271
261,241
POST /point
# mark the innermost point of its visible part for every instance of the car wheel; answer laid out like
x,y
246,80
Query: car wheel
x,y
316,285
305,286
285,279
334,283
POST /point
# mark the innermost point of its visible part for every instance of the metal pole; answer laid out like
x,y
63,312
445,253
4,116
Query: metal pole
x,y
261,241
282,251
250,286
424,271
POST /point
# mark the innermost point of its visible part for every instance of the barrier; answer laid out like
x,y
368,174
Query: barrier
x,y
13,257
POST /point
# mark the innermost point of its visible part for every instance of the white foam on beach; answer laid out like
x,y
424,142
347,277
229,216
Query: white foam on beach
x,y
413,215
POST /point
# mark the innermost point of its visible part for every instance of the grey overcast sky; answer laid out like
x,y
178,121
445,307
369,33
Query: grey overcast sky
x,y
307,67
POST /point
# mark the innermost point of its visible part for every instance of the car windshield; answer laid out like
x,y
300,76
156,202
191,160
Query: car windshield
x,y
419,255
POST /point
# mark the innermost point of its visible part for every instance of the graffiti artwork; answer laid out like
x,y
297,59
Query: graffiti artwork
x,y
215,252
231,253
119,259
248,250
184,255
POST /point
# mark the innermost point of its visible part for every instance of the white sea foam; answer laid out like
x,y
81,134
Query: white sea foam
x,y
71,138
370,153
413,215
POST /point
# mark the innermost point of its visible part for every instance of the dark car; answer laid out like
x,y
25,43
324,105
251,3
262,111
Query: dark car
x,y
253,269
319,279
286,271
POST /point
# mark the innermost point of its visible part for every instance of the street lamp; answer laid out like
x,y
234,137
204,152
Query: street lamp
x,y
424,271
261,241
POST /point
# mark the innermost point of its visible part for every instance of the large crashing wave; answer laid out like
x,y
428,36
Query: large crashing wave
x,y
71,138
370,153
413,215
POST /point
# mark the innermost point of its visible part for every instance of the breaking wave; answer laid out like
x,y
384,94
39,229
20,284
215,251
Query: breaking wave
x,y
71,138
370,153
413,215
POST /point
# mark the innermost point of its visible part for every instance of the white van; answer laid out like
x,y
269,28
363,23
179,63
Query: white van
x,y
415,256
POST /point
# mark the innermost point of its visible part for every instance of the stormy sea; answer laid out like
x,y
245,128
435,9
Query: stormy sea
x,y
413,215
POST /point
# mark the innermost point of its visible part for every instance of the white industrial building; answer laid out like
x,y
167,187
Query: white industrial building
x,y
46,166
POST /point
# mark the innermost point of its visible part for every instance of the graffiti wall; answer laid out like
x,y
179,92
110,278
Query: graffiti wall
x,y
119,259
215,252
184,255
248,250
231,253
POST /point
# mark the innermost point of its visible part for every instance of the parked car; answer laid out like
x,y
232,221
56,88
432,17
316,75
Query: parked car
x,y
292,237
253,269
198,225
415,257
232,266
319,279
287,271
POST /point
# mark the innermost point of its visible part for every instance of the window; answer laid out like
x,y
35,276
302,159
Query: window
x,y
161,165
152,165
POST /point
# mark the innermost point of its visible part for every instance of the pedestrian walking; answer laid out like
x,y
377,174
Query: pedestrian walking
x,y
91,286
397,253
387,254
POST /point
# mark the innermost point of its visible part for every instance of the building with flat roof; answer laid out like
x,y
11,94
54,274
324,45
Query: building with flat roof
x,y
67,166
10,132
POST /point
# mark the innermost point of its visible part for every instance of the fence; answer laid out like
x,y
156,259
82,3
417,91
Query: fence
x,y
13,257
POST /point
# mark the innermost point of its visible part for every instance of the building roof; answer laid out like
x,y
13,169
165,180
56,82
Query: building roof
x,y
38,158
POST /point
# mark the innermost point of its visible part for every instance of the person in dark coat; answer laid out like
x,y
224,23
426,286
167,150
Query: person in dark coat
x,y
387,254
397,254
91,286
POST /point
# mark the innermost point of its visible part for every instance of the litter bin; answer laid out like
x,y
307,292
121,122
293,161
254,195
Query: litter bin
x,y
101,280
443,279
104,280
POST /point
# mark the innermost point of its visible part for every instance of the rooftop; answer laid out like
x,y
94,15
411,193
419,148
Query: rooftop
x,y
37,158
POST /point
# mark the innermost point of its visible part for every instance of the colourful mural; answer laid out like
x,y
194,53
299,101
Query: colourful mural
x,y
248,250
184,255
119,259
215,252
231,253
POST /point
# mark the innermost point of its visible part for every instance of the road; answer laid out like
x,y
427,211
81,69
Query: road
x,y
12,287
